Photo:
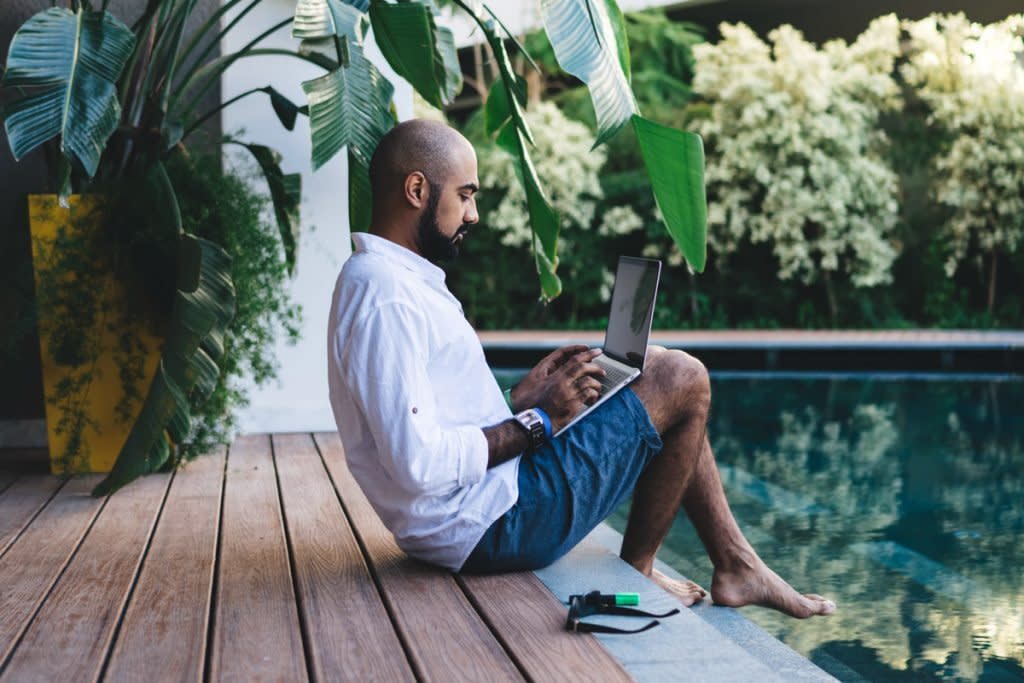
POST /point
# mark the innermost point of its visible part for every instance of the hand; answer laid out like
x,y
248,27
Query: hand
x,y
563,383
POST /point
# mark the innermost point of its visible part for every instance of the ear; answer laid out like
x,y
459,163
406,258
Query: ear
x,y
417,189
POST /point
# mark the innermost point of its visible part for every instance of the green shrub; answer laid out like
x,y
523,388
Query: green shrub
x,y
848,185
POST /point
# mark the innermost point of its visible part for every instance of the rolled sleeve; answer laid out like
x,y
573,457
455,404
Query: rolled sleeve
x,y
475,455
385,362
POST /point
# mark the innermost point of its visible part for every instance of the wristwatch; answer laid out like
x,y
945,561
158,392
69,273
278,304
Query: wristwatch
x,y
531,420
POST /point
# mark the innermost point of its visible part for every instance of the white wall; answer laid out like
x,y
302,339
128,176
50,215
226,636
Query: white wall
x,y
298,400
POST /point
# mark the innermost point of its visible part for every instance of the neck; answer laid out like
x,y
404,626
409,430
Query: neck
x,y
401,237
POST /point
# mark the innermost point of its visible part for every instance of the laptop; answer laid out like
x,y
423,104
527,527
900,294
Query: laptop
x,y
629,326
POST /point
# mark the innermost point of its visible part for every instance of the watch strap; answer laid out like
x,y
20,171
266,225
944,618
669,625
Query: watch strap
x,y
547,422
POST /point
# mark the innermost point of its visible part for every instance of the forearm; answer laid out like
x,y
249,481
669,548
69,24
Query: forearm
x,y
505,440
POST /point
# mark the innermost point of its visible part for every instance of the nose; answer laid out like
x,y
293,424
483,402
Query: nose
x,y
472,216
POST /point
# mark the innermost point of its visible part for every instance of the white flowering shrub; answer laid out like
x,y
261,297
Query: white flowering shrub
x,y
972,79
619,220
795,155
567,168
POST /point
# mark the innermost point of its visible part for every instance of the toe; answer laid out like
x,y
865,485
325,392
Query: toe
x,y
825,606
815,605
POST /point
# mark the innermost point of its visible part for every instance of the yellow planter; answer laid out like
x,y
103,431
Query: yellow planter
x,y
94,404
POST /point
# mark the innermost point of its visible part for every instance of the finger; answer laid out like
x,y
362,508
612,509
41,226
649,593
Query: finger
x,y
567,353
574,365
587,355
558,357
588,370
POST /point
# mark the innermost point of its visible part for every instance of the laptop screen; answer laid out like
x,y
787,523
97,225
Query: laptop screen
x,y
629,321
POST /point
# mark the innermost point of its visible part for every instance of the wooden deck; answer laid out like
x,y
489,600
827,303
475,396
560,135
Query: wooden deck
x,y
260,562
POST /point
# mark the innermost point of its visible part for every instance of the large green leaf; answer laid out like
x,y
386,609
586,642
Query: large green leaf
x,y
285,195
675,164
360,195
449,52
329,18
349,106
497,110
417,50
510,81
504,111
286,110
618,24
69,62
203,308
543,217
583,38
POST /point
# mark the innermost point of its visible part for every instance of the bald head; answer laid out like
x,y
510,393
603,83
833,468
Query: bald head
x,y
420,145
424,181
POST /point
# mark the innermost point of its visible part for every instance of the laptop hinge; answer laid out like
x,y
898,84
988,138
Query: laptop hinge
x,y
617,359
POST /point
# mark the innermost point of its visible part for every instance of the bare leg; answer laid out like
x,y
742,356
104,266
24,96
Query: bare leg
x,y
677,395
660,489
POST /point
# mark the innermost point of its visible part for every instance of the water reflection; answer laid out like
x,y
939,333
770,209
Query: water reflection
x,y
904,500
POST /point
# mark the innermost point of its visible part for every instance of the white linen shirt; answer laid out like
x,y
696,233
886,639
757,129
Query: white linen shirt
x,y
411,393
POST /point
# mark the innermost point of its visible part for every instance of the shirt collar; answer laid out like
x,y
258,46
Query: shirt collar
x,y
374,244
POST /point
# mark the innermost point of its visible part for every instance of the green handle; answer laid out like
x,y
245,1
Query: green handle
x,y
623,599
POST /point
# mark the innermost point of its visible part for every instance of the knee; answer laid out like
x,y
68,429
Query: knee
x,y
686,377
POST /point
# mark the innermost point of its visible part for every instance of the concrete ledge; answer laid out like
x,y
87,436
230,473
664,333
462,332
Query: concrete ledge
x,y
953,352
715,643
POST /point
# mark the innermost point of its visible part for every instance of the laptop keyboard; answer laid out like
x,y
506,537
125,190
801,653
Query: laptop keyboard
x,y
614,377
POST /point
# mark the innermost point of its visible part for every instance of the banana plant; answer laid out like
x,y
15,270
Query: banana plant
x,y
115,101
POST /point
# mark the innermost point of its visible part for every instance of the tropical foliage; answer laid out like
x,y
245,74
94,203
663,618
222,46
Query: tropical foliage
x,y
116,102
565,164
603,194
831,192
971,77
798,158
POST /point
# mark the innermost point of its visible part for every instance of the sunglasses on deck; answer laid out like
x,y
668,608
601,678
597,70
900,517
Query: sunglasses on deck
x,y
595,602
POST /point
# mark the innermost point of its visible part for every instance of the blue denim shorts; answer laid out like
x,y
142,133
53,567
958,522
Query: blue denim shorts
x,y
569,486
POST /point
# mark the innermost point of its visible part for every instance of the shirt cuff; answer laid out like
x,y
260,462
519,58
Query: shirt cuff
x,y
473,463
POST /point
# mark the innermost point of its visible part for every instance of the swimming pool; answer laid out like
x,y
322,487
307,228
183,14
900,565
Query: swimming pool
x,y
902,499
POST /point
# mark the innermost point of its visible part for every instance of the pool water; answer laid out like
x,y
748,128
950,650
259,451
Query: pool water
x,y
902,500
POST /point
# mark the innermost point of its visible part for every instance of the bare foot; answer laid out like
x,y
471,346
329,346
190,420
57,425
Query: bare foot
x,y
686,591
759,585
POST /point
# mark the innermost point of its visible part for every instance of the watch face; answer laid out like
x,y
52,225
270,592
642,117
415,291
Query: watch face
x,y
534,426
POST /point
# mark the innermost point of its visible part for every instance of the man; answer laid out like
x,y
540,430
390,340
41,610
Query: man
x,y
429,437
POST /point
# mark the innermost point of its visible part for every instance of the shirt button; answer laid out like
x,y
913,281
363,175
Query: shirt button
x,y
415,409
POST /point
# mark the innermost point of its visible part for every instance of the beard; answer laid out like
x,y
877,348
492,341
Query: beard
x,y
434,245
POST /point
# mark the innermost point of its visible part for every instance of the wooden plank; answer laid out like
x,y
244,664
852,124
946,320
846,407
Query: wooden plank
x,y
445,637
20,503
164,631
349,635
530,622
33,563
256,625
78,618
